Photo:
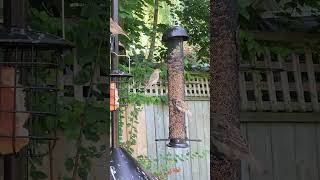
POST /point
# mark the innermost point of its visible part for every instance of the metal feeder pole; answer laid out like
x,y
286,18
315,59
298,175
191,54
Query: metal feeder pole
x,y
14,18
174,39
122,164
114,69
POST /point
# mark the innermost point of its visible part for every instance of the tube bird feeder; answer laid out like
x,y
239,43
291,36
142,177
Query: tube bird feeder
x,y
174,39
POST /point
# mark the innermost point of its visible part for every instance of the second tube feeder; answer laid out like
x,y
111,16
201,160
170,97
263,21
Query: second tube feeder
x,y
174,39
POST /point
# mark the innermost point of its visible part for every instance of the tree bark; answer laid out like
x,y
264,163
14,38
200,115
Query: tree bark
x,y
154,30
224,85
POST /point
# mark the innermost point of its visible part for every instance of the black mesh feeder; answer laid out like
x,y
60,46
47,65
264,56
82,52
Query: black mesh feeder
x,y
27,94
29,65
174,39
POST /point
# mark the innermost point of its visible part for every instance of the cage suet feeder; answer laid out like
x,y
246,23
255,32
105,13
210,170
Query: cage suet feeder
x,y
25,56
28,97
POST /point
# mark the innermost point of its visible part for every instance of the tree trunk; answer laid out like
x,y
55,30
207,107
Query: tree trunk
x,y
154,31
224,85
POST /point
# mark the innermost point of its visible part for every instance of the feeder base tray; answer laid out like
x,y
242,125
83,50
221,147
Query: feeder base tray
x,y
178,143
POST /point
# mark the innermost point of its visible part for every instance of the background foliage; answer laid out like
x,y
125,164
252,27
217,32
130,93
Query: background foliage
x,y
87,26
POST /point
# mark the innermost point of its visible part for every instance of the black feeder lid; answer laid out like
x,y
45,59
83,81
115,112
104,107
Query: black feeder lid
x,y
25,37
125,167
175,31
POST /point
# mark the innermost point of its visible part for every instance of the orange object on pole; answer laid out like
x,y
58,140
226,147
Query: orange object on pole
x,y
114,97
11,123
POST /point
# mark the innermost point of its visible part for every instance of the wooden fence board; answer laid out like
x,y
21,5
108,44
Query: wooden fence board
x,y
305,137
283,152
187,169
152,148
142,135
200,131
259,138
206,120
271,86
187,173
160,133
180,164
298,81
285,85
257,87
245,170
194,145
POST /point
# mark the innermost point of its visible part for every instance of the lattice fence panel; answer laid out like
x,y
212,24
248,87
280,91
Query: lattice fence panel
x,y
281,84
269,82
196,85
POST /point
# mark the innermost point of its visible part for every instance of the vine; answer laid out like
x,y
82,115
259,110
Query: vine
x,y
138,100
86,121
81,122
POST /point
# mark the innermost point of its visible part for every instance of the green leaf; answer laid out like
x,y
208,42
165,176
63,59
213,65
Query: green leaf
x,y
69,164
83,173
37,175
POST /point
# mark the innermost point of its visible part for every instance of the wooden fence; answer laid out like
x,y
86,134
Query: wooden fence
x,y
154,124
286,144
280,110
280,118
281,83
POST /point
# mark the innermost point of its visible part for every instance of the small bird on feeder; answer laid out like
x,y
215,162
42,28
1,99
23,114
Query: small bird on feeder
x,y
182,107
154,78
115,29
